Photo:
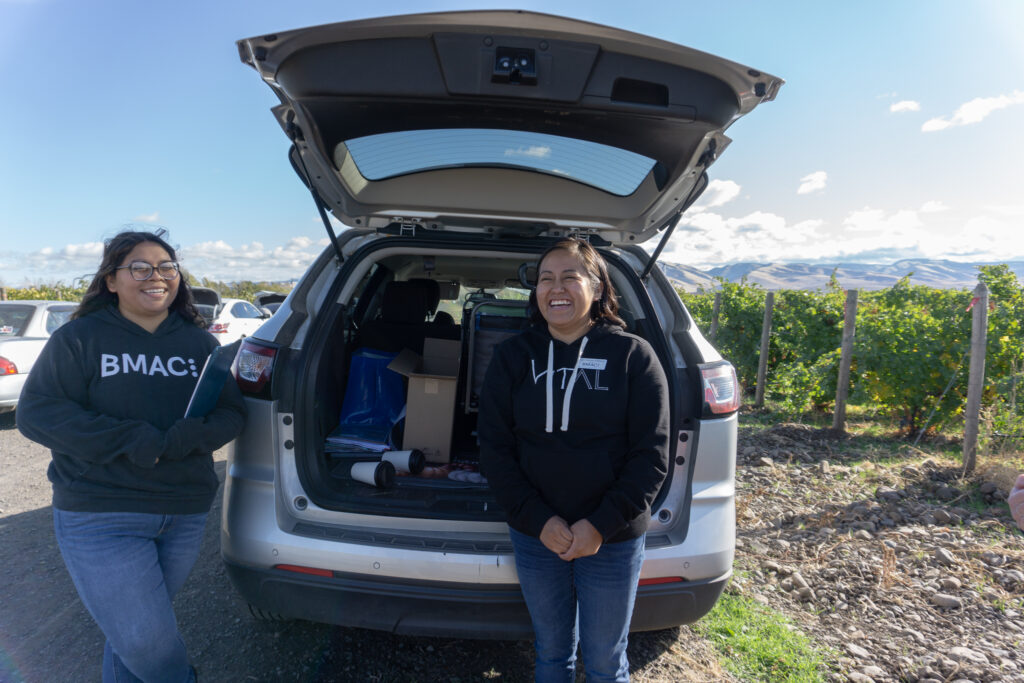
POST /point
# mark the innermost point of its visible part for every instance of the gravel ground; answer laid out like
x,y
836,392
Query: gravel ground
x,y
903,570
899,571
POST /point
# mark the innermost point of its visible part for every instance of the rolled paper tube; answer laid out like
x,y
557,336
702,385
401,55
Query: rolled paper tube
x,y
380,474
411,461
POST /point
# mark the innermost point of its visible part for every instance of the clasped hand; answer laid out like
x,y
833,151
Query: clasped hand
x,y
569,542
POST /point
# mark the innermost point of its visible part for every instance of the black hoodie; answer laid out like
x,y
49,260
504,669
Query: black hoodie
x,y
108,398
576,430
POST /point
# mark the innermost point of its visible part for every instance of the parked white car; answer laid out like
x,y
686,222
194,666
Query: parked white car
x,y
235,319
25,326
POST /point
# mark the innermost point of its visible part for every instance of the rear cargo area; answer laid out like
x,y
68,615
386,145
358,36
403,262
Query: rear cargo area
x,y
403,363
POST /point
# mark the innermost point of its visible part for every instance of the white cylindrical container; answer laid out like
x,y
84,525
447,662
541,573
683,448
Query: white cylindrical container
x,y
380,474
411,461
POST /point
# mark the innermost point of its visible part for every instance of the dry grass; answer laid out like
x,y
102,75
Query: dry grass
x,y
684,656
1002,471
889,566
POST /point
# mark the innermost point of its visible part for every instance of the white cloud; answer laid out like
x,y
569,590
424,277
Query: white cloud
x,y
216,248
302,242
904,105
709,238
147,218
719,192
878,221
933,206
983,238
87,250
538,151
706,237
219,260
216,260
932,231
974,111
812,182
49,265
1007,210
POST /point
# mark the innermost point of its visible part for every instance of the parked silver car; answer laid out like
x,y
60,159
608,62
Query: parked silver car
x,y
25,327
456,147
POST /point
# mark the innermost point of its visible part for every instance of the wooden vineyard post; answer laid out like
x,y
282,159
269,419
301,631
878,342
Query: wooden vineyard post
x,y
845,360
762,361
715,308
976,375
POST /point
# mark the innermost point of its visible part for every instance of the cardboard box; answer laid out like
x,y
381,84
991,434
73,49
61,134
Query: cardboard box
x,y
430,399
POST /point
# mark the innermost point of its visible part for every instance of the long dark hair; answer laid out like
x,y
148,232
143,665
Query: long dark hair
x,y
606,308
98,296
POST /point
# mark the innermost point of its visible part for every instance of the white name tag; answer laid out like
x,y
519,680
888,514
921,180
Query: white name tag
x,y
593,363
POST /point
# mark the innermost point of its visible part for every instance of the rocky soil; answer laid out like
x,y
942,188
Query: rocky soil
x,y
903,570
898,569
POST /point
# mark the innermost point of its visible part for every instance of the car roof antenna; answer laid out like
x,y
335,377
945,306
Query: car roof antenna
x,y
295,133
695,192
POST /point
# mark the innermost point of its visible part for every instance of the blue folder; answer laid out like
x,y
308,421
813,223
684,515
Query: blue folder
x,y
215,373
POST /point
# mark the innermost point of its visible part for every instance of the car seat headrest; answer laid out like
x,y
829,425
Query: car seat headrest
x,y
444,317
433,290
405,302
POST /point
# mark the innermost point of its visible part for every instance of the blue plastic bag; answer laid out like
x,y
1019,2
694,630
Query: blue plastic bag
x,y
375,396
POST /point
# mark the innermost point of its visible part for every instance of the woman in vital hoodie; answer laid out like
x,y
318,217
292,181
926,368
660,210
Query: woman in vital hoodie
x,y
574,428
133,480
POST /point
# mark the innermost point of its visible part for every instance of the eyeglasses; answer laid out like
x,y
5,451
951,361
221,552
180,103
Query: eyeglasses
x,y
140,270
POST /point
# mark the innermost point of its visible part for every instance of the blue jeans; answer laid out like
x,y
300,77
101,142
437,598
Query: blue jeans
x,y
127,567
587,601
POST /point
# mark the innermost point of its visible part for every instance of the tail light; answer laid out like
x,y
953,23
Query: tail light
x,y
253,367
7,367
720,387
218,328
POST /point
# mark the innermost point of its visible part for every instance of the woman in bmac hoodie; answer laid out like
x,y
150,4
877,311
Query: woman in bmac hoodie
x,y
574,429
133,479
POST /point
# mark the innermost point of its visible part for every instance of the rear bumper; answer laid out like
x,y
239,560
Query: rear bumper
x,y
10,390
444,609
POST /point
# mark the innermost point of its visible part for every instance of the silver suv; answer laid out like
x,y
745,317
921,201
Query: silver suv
x,y
455,147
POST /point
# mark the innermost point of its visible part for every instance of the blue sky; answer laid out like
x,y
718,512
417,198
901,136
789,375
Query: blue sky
x,y
897,134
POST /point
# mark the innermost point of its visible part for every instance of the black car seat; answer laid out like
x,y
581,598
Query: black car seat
x,y
444,318
442,325
402,323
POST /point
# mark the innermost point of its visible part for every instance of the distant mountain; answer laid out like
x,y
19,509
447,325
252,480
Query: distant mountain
x,y
939,274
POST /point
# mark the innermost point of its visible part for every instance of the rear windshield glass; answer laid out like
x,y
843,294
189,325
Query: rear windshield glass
x,y
208,312
57,317
611,169
14,319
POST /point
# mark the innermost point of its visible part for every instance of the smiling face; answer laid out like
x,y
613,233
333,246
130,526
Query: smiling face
x,y
565,292
144,302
